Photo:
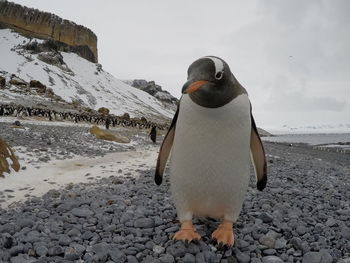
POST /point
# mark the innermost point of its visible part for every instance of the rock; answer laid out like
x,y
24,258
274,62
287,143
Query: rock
x,y
267,241
345,232
41,250
131,259
344,260
242,257
41,88
60,34
82,212
144,223
189,258
280,243
14,251
117,255
55,251
177,249
43,214
240,243
158,249
317,257
167,258
331,222
103,111
271,259
71,254
265,217
106,135
7,240
64,240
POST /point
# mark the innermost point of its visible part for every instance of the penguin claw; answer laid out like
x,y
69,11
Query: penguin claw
x,y
223,236
186,235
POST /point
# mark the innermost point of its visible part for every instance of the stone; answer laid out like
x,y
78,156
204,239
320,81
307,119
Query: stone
x,y
167,258
345,232
189,258
64,240
158,249
242,257
131,259
15,250
272,259
41,250
267,241
82,212
280,243
144,223
55,251
265,217
344,260
177,249
117,255
71,254
317,257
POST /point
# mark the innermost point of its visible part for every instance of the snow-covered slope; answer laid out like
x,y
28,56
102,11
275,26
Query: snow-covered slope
x,y
75,79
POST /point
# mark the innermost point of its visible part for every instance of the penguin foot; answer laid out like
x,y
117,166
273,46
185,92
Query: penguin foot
x,y
224,234
187,232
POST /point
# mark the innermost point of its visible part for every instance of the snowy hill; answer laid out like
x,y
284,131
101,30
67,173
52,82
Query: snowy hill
x,y
70,77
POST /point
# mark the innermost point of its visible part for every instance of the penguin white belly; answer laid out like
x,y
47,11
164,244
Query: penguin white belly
x,y
210,160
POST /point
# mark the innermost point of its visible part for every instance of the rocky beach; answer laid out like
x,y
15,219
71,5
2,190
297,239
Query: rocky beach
x,y
97,202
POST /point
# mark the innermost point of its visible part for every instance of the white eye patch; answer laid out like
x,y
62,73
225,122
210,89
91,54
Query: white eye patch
x,y
219,66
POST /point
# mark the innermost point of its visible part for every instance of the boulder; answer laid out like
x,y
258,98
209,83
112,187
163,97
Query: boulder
x,y
109,136
6,152
18,82
103,111
41,88
125,116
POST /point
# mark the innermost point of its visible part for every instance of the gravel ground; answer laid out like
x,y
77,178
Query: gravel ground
x,y
302,216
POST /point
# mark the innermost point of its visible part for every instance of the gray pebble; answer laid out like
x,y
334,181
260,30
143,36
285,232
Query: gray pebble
x,y
271,259
41,250
144,223
82,212
189,258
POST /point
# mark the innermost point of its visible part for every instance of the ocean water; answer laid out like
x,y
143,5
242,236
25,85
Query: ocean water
x,y
339,142
311,139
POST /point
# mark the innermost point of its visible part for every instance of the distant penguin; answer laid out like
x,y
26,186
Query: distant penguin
x,y
153,134
212,139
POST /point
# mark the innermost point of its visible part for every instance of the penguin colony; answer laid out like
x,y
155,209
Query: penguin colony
x,y
213,140
98,119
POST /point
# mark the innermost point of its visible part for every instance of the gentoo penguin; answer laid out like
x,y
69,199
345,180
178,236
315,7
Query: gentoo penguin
x,y
153,134
212,139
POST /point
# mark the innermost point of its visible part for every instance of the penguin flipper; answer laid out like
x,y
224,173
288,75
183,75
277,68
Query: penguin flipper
x,y
258,156
165,150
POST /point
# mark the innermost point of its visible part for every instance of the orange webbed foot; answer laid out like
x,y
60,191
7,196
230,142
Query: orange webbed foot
x,y
224,234
187,232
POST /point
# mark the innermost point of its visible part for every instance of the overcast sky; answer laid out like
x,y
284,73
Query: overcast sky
x,y
292,56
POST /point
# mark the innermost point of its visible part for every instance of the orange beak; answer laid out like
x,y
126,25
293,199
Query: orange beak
x,y
195,86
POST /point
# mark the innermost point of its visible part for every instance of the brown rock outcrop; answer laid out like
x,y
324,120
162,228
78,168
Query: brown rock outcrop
x,y
5,153
34,23
105,135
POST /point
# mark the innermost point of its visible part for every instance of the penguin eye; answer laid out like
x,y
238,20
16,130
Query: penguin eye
x,y
219,75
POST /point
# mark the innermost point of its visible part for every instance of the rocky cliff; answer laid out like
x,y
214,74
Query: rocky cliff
x,y
34,23
156,91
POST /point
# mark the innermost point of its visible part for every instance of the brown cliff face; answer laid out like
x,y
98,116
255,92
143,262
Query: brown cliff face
x,y
34,23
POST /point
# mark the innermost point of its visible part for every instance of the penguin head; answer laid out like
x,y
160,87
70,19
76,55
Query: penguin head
x,y
210,82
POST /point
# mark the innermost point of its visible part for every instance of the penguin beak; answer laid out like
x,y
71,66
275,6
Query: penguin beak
x,y
191,87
